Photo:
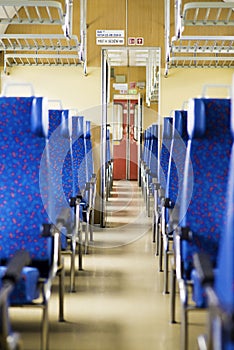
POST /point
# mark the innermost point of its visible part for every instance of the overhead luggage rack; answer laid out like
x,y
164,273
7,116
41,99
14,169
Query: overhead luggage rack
x,y
34,12
209,51
208,13
47,49
203,52
31,12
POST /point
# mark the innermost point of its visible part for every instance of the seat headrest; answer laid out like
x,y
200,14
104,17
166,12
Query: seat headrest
x,y
147,134
167,127
39,116
155,130
77,126
150,130
81,126
208,117
180,124
65,132
87,129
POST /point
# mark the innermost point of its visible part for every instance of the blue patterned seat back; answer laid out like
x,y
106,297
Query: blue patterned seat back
x,y
165,151
154,151
176,163
149,145
209,149
67,170
143,147
88,151
224,277
60,160
61,170
146,146
224,282
22,210
78,151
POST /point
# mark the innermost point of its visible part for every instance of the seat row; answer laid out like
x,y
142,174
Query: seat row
x,y
191,182
48,190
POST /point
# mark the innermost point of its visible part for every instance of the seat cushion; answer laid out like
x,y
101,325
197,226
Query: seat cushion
x,y
26,289
199,295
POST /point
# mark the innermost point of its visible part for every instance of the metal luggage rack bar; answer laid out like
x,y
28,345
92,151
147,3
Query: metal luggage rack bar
x,y
38,42
202,52
201,62
47,49
208,13
203,45
31,12
11,60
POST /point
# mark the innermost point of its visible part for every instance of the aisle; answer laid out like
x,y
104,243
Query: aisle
x,y
119,303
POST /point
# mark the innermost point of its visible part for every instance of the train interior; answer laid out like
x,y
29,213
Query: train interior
x,y
116,175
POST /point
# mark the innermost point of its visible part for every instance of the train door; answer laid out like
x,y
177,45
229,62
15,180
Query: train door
x,y
126,128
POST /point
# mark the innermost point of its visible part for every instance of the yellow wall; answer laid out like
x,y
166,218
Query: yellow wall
x,y
182,84
68,84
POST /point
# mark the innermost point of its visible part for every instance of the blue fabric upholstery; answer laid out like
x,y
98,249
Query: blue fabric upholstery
x,y
60,170
147,145
22,209
88,152
224,278
153,161
67,170
176,164
78,149
224,283
209,150
79,160
165,151
26,289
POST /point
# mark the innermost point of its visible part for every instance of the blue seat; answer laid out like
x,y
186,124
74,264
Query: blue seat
x,y
62,183
145,162
218,283
88,151
170,208
154,171
79,178
203,193
79,158
162,180
26,204
91,180
151,167
153,159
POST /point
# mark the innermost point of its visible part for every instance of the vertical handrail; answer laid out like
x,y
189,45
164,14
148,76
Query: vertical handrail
x,y
83,34
103,140
167,34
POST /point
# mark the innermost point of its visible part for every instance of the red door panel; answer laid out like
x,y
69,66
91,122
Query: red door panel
x,y
125,153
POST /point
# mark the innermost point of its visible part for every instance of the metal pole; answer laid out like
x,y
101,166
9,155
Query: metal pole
x,y
103,140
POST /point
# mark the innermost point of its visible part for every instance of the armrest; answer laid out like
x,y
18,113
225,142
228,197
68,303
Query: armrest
x,y
204,268
13,272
